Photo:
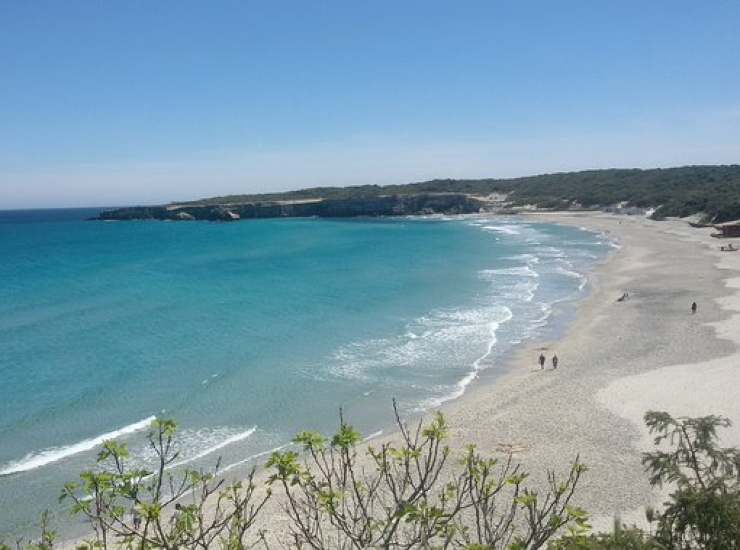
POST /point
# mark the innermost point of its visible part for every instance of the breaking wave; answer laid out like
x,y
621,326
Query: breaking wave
x,y
54,454
505,229
220,443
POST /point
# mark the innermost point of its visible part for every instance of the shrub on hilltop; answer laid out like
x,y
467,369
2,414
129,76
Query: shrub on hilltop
x,y
713,191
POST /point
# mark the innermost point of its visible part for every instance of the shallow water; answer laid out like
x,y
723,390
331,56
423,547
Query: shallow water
x,y
249,332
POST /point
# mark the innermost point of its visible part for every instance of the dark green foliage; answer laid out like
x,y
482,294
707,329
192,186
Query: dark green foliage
x,y
622,538
712,190
704,509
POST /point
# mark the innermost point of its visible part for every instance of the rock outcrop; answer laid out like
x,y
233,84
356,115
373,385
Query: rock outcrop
x,y
383,205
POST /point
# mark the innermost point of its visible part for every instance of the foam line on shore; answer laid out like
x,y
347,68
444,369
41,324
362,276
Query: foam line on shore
x,y
228,441
54,454
508,229
462,384
252,457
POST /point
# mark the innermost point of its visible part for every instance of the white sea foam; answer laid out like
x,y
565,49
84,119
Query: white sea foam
x,y
373,435
477,365
523,290
240,436
225,469
436,354
41,458
574,275
584,243
520,271
550,252
443,333
530,259
252,457
546,312
505,229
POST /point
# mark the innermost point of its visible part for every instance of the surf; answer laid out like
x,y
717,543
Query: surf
x,y
54,454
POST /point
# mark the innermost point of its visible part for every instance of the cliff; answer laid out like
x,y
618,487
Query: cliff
x,y
711,193
381,205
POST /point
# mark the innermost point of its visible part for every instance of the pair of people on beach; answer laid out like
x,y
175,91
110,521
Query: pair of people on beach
x,y
542,360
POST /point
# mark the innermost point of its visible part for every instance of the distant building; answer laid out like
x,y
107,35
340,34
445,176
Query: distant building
x,y
727,230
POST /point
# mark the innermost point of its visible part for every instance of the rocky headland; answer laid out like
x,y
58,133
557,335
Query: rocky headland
x,y
387,205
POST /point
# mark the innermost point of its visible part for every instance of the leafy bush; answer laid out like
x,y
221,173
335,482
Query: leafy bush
x,y
621,538
133,507
704,509
337,493
340,493
405,496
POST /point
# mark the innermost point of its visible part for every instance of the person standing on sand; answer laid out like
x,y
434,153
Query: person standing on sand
x,y
554,361
542,361
693,307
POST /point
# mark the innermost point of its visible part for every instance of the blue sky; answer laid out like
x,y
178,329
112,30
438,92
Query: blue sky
x,y
107,103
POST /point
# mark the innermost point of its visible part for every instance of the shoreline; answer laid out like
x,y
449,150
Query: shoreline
x,y
547,418
237,468
617,360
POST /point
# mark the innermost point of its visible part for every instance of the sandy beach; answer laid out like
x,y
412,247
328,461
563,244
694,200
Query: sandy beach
x,y
617,360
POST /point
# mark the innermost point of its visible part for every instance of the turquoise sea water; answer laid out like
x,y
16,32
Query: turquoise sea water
x,y
249,332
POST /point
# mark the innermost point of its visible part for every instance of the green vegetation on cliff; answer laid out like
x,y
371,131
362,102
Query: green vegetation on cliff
x,y
711,190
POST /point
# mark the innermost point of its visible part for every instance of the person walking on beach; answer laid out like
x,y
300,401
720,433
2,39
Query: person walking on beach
x,y
693,307
554,361
542,361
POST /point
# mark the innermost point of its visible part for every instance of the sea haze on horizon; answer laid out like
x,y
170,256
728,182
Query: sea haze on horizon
x,y
249,332
149,102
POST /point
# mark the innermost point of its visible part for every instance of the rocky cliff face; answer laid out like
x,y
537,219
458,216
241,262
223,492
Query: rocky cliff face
x,y
389,205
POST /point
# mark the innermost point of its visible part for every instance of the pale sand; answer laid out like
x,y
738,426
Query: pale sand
x,y
617,360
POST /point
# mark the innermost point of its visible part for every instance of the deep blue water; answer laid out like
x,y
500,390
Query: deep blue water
x,y
249,332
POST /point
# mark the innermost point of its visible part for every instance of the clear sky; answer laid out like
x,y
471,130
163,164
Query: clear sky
x,y
112,103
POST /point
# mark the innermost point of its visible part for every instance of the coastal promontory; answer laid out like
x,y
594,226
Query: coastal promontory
x,y
711,193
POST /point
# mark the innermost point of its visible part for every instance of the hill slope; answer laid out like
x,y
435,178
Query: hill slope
x,y
713,191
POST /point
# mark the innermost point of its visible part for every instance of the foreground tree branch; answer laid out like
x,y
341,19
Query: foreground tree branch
x,y
339,494
137,508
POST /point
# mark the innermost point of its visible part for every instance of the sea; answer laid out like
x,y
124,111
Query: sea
x,y
246,333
